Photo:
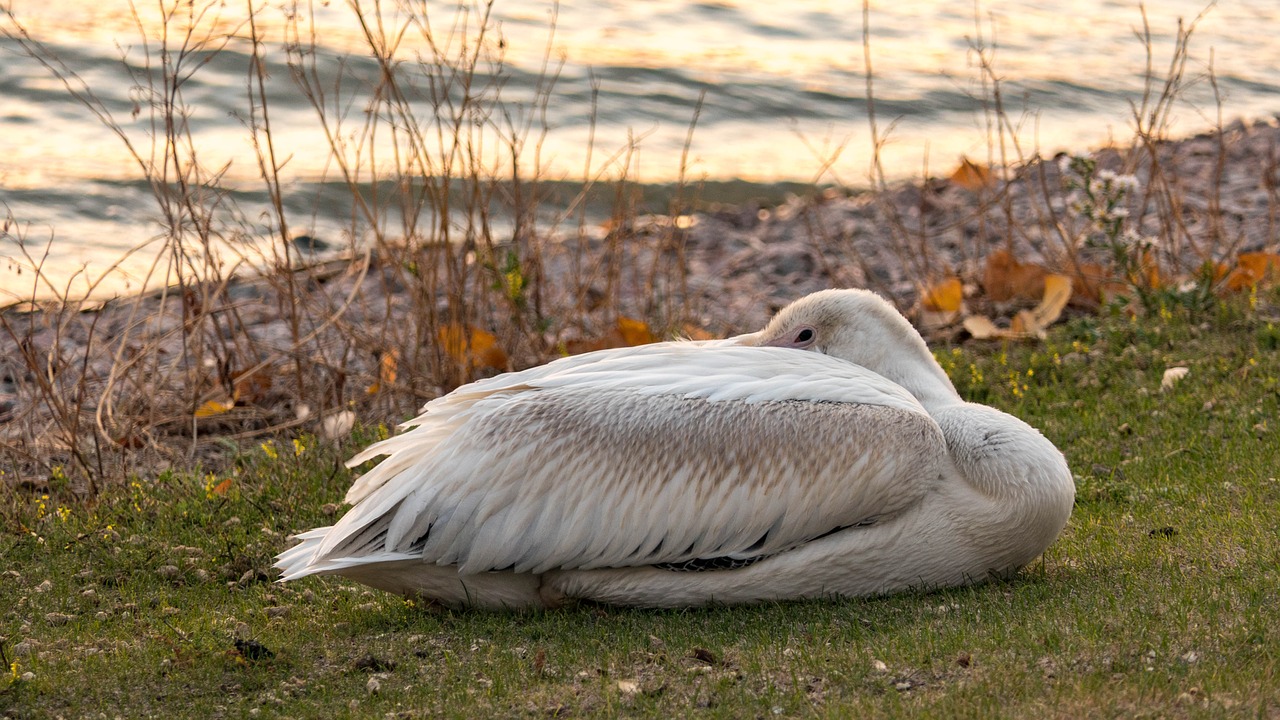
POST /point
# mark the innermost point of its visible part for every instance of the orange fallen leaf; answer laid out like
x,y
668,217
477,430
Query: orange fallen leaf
x,y
693,332
1027,323
1006,279
626,332
472,347
1253,269
634,332
252,387
972,176
944,297
1057,293
214,407
1092,284
387,364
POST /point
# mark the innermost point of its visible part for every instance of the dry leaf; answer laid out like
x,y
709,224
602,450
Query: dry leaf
x,y
1027,323
387,364
1006,279
634,332
472,347
1253,269
693,332
972,176
1093,284
1172,377
945,296
1057,293
626,332
214,407
252,387
981,328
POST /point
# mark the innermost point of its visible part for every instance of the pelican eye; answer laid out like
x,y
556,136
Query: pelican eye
x,y
805,335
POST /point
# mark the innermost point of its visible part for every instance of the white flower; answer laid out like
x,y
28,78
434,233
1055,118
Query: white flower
x,y
1127,183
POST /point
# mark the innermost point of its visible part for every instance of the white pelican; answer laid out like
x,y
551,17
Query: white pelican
x,y
826,455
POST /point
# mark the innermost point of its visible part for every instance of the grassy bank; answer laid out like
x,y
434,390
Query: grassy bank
x,y
155,598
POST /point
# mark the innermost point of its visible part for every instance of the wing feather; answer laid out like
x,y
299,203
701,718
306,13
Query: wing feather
x,y
657,454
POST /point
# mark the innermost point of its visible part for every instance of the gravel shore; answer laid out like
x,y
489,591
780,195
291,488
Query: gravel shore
x,y
1207,197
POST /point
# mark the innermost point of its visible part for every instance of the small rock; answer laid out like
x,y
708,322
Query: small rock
x,y
628,687
373,664
373,686
168,572
277,612
44,587
329,509
28,676
55,618
879,666
1172,377
253,650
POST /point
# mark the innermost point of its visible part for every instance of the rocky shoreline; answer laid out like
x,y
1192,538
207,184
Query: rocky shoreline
x,y
129,364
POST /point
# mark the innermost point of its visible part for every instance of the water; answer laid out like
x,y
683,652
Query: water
x,y
783,90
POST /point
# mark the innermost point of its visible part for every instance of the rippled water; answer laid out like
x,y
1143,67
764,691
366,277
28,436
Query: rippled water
x,y
782,88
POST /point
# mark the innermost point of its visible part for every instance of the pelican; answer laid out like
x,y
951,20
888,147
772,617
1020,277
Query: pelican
x,y
827,455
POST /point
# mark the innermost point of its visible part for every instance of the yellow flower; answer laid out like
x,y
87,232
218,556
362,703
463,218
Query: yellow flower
x,y
269,450
298,448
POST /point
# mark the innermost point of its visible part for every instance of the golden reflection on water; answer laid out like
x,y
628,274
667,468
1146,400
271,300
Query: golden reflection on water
x,y
915,42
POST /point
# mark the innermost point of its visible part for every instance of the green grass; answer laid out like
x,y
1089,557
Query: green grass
x,y
1158,601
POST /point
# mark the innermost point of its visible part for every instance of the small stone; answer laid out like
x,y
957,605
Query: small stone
x,y
170,611
23,649
373,686
55,618
28,676
902,685
628,687
44,587
277,612
879,666
329,509
168,572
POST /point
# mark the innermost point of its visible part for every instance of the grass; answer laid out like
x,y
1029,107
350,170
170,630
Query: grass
x,y
155,598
